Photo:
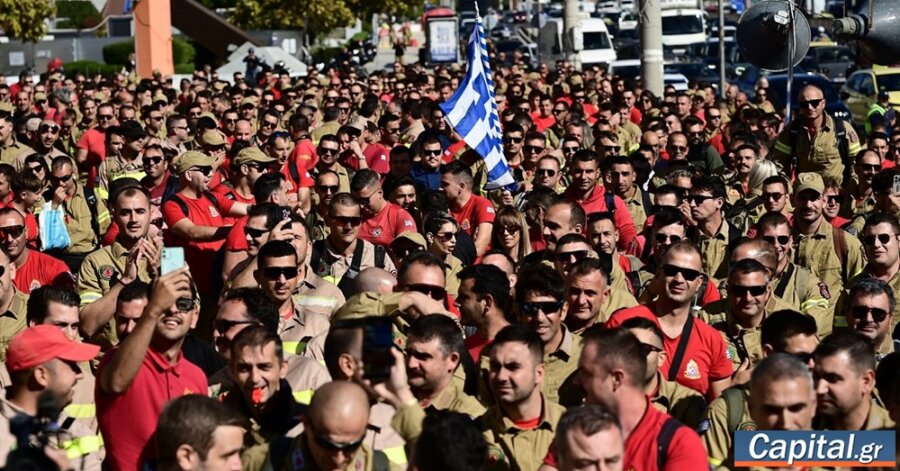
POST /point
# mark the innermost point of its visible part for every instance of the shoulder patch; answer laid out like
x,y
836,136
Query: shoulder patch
x,y
730,351
823,290
297,459
703,427
692,370
852,137
749,426
495,455
106,272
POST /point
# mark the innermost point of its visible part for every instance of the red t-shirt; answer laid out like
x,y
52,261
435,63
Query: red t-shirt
x,y
41,269
705,359
237,238
303,180
223,191
199,255
376,158
541,123
128,421
384,227
156,192
596,203
475,344
304,154
30,224
476,211
685,450
94,141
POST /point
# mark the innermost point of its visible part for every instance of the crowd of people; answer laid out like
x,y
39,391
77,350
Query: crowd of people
x,y
665,271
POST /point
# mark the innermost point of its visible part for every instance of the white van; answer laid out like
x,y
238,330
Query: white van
x,y
598,47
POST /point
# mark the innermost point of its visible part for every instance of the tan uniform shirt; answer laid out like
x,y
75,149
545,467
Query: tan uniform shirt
x,y
560,368
818,253
12,321
304,334
715,433
798,287
314,294
715,251
333,266
408,419
9,153
635,206
115,167
78,217
681,402
512,448
821,155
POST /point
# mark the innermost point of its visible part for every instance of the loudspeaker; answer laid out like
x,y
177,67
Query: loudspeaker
x,y
763,33
876,27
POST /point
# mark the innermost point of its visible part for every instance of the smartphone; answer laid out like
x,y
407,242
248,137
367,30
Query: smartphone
x,y
172,259
378,339
895,188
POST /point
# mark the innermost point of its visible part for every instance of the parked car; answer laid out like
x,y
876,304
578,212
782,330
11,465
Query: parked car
x,y
832,61
862,88
501,31
694,71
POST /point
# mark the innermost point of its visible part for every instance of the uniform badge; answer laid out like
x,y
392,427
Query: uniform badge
x,y
35,284
692,371
297,460
731,352
107,272
376,232
465,225
703,427
407,223
213,211
823,290
748,426
490,210
495,455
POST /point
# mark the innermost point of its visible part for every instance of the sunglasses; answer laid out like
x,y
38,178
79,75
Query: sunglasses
x,y
689,274
546,171
206,171
254,233
562,110
273,273
329,188
222,325
740,291
647,348
533,149
570,150
437,293
677,148
12,231
331,445
833,199
664,238
61,179
810,103
567,256
870,167
184,304
870,239
612,149
445,236
777,240
326,151
862,312
512,140
511,229
154,160
804,357
104,117
715,116
392,130
51,128
344,220
431,153
547,307
772,196
699,199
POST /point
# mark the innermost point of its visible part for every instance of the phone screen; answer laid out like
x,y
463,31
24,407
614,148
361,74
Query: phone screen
x,y
896,186
172,259
378,339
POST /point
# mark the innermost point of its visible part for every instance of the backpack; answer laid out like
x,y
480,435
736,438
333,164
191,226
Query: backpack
x,y
738,214
840,244
346,283
840,131
91,198
633,275
664,439
734,403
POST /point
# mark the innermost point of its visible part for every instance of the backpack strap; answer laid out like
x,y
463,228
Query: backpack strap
x,y
380,461
645,201
785,279
664,439
294,171
610,201
840,245
379,256
91,199
212,199
682,347
734,403
346,283
278,452
182,205
316,256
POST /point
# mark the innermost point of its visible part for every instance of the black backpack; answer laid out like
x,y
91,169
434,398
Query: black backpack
x,y
840,131
346,283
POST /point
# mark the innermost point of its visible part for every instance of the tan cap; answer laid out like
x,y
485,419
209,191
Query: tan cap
x,y
252,154
192,159
809,181
534,76
6,107
248,101
576,80
699,94
40,96
358,124
410,236
99,97
212,138
401,76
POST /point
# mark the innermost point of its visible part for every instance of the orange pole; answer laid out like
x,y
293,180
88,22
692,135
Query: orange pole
x,y
153,37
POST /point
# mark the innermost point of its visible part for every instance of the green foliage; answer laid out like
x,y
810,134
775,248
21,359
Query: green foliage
x,y
322,15
79,14
91,68
24,19
325,54
117,53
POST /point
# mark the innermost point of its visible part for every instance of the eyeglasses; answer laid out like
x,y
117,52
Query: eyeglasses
x,y
344,220
431,152
560,110
804,357
392,130
273,273
12,231
777,240
664,238
740,291
612,149
254,233
437,293
37,169
567,256
571,150
222,325
364,201
814,102
675,148
512,140
546,171
869,239
862,312
772,196
104,117
328,188
326,151
331,445
715,116
51,128
344,110
511,229
206,171
699,199
547,307
61,178
689,274
269,124
533,149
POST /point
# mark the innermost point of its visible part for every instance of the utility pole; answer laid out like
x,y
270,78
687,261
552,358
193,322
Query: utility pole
x,y
651,46
572,29
722,83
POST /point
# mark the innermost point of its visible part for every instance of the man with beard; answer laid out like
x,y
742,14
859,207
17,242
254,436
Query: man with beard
x,y
593,197
128,161
427,171
400,162
265,221
33,268
159,182
870,307
42,143
474,213
844,375
247,166
328,150
703,364
701,154
146,370
560,219
618,174
828,252
92,144
625,273
484,302
858,195
298,180
106,271
383,221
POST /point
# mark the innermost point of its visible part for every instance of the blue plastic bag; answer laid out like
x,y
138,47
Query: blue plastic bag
x,y
54,234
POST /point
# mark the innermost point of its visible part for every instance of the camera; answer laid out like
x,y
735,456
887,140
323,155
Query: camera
x,y
35,433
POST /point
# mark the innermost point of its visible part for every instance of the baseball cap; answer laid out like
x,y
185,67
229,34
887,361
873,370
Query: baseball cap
x,y
39,344
6,107
412,237
131,129
40,96
884,95
252,154
192,159
248,102
809,181
212,138
358,124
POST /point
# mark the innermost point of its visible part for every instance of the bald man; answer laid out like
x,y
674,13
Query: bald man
x,y
375,279
333,433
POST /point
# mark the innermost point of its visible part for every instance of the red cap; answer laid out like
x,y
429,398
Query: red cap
x,y
39,344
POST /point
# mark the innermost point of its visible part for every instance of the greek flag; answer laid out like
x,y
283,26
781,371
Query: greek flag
x,y
472,111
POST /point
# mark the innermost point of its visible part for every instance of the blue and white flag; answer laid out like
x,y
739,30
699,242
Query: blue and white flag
x,y
472,111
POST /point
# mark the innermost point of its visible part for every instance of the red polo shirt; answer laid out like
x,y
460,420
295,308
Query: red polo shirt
x,y
685,450
596,203
384,227
705,359
199,255
94,141
41,269
127,421
304,154
476,211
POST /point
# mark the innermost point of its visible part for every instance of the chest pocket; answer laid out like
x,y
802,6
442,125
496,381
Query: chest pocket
x,y
825,149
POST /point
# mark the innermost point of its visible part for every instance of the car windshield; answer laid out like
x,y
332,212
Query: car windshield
x,y
681,25
596,40
890,82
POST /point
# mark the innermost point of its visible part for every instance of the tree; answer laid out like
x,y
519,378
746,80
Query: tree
x,y
25,20
323,15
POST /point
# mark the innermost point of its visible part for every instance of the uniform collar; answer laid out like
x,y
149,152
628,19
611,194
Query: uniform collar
x,y
548,418
445,398
17,307
566,347
159,361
